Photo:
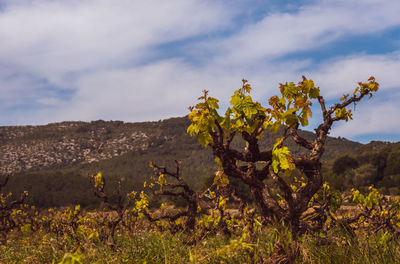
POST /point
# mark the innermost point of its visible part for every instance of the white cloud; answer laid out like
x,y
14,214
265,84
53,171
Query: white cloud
x,y
52,38
161,90
378,115
313,26
341,75
49,101
16,87
372,118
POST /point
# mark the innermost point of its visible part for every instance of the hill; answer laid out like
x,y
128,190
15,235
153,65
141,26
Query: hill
x,y
376,163
52,161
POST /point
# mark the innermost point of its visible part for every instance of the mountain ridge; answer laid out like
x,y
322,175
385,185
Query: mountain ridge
x,y
55,145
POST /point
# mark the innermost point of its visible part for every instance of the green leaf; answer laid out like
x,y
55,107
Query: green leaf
x,y
191,130
342,114
239,123
212,102
281,158
303,120
221,179
314,93
236,101
226,122
308,84
201,106
250,111
290,119
275,127
373,87
205,138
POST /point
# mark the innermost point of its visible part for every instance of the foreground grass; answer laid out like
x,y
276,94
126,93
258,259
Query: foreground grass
x,y
342,248
155,247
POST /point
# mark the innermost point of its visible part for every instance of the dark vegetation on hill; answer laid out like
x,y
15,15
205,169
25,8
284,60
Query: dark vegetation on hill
x,y
376,163
52,162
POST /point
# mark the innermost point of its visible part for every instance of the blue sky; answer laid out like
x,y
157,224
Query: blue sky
x,y
149,60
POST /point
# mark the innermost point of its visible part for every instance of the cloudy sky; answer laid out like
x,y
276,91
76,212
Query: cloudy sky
x,y
149,60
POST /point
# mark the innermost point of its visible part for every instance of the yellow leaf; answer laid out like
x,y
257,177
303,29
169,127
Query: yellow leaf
x,y
161,179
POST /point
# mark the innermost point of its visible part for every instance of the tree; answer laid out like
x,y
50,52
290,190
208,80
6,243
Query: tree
x,y
288,197
392,163
344,163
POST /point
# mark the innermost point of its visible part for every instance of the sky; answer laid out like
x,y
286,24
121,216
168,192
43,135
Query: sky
x,y
70,60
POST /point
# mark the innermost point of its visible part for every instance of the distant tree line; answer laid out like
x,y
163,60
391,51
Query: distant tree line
x,y
368,166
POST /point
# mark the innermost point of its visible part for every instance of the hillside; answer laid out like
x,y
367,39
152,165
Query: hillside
x,y
376,163
32,148
54,159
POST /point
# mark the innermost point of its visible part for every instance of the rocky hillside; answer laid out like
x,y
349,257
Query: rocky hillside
x,y
58,145
32,148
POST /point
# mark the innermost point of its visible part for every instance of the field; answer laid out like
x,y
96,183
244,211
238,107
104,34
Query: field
x,y
220,235
151,246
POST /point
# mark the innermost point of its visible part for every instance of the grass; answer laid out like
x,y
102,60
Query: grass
x,y
154,247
